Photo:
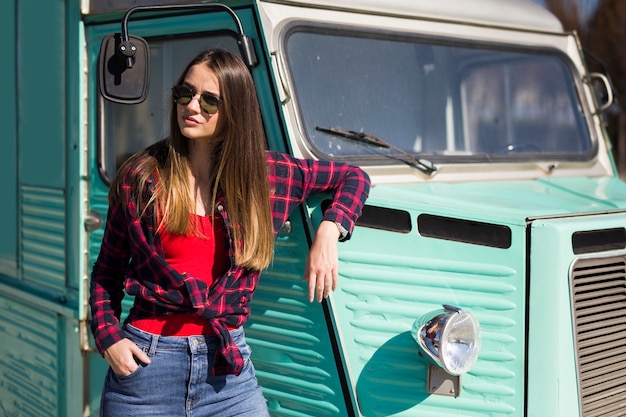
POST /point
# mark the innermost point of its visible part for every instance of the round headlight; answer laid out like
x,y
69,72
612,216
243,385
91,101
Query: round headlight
x,y
451,338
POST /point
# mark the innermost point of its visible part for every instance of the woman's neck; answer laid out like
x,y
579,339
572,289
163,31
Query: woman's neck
x,y
201,174
201,158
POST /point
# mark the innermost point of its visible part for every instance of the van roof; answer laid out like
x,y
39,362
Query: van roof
x,y
522,14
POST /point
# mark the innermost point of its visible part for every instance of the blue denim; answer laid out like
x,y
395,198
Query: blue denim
x,y
178,381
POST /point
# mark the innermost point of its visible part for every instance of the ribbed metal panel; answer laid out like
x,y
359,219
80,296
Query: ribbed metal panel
x,y
291,350
29,374
380,297
599,306
43,235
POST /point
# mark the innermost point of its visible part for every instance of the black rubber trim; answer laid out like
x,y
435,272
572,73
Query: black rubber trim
x,y
381,218
591,241
384,218
466,231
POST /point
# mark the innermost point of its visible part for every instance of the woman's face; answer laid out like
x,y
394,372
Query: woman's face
x,y
193,121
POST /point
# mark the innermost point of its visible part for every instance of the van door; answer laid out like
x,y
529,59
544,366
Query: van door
x,y
294,353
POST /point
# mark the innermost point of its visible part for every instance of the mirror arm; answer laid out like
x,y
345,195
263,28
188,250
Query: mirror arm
x,y
246,46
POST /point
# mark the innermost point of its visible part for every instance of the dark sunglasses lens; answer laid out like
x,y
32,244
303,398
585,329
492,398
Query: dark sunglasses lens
x,y
209,103
181,94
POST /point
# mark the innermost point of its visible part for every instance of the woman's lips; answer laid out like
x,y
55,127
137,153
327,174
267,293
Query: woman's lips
x,y
190,121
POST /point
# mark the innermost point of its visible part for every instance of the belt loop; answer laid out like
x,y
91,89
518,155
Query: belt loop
x,y
153,345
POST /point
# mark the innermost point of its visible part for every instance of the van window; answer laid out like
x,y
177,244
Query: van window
x,y
437,99
127,129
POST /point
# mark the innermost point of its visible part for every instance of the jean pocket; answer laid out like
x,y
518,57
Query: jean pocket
x,y
129,376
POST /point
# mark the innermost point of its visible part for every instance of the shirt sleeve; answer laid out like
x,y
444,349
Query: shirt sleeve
x,y
107,280
300,178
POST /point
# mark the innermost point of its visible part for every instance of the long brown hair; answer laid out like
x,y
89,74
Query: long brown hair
x,y
240,169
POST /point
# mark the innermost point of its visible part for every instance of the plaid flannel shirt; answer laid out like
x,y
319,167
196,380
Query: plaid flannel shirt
x,y
131,257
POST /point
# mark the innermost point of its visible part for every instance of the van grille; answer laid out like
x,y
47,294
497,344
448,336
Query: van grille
x,y
599,307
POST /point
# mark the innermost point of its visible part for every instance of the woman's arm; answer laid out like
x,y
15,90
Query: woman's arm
x,y
107,283
295,180
322,263
107,280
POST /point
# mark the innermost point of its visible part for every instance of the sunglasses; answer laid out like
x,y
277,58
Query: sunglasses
x,y
183,95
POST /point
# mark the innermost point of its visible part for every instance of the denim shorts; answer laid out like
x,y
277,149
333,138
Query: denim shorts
x,y
178,381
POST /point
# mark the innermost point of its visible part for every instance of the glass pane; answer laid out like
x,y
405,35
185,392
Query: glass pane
x,y
521,104
436,100
130,128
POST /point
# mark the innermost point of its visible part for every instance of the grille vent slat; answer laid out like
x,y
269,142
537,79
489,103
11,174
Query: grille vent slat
x,y
600,294
590,346
607,274
600,353
614,326
599,306
594,377
600,408
611,307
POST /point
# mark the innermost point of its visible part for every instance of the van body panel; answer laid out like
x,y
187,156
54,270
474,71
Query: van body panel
x,y
385,287
511,202
499,196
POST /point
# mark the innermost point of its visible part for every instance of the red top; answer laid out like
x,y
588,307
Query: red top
x,y
205,258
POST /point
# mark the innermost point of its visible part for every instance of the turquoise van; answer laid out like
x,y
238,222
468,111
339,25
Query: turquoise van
x,y
487,275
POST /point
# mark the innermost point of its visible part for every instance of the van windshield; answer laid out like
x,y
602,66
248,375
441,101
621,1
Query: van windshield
x,y
448,102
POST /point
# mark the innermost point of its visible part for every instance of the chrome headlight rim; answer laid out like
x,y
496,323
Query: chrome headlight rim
x,y
450,338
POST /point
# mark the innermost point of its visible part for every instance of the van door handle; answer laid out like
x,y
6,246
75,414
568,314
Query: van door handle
x,y
286,229
282,75
93,221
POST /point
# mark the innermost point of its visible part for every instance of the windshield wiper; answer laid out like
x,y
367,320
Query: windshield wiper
x,y
422,165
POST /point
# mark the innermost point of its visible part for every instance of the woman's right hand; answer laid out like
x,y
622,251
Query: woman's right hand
x,y
123,356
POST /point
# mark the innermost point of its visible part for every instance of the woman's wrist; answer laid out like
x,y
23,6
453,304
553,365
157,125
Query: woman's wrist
x,y
330,228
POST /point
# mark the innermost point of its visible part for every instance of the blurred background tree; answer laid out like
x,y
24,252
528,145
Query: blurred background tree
x,y
601,26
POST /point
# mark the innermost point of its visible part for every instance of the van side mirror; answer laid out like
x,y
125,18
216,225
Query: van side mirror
x,y
603,90
124,61
124,69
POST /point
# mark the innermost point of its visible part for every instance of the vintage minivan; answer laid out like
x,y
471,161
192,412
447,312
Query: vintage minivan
x,y
487,275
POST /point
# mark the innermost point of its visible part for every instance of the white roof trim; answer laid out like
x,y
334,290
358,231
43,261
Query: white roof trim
x,y
522,14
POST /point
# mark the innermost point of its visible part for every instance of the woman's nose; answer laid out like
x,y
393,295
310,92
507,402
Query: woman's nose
x,y
196,99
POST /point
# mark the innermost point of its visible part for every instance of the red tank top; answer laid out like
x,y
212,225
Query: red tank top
x,y
205,258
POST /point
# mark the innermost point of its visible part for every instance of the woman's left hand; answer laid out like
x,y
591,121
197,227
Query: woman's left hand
x,y
322,262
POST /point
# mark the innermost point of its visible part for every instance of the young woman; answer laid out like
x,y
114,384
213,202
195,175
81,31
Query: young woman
x,y
191,224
